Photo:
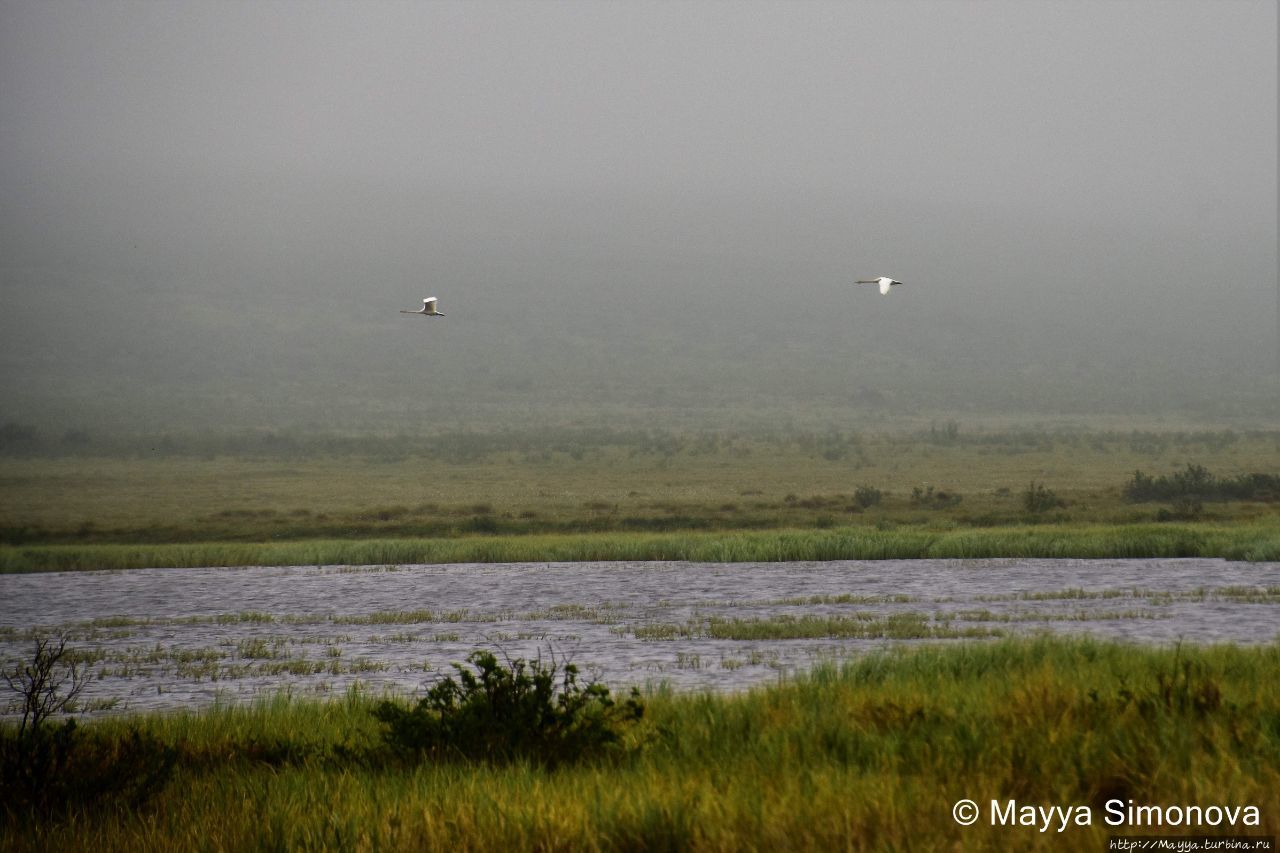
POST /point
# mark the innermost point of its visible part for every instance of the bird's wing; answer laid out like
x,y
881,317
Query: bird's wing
x,y
429,304
885,284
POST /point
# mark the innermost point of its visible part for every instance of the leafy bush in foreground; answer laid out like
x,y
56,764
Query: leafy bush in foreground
x,y
531,711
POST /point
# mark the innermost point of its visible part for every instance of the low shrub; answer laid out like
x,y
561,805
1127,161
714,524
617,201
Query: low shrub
x,y
867,496
1198,483
531,710
928,498
1038,498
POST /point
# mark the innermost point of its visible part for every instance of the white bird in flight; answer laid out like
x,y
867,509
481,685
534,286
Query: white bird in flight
x,y
884,281
428,308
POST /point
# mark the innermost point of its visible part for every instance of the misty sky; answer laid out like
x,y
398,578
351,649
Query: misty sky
x,y
1107,168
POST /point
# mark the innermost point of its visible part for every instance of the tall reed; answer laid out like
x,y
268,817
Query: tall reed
x,y
1243,541
871,754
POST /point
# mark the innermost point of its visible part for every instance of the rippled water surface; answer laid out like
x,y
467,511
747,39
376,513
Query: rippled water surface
x,y
184,637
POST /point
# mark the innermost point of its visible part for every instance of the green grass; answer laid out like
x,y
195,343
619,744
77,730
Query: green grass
x,y
1255,541
706,497
897,626
869,755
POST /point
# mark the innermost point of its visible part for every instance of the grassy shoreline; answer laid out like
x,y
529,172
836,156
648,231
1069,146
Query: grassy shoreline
x,y
706,497
869,755
1251,541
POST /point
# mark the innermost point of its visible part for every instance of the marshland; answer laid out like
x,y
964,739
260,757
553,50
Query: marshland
x,y
868,753
164,639
941,489
668,534
801,614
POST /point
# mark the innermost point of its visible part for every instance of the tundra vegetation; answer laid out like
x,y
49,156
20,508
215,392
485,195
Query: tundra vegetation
x,y
597,493
870,754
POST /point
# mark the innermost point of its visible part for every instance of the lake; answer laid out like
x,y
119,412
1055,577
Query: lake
x,y
168,638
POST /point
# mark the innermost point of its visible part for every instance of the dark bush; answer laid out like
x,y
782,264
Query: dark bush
x,y
481,524
55,769
1197,483
531,710
867,496
930,499
1038,498
51,769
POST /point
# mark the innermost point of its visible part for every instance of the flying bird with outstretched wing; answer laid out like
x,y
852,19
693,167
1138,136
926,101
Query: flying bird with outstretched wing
x,y
884,281
428,308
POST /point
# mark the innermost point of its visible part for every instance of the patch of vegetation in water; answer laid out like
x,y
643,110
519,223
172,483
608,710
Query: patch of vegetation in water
x,y
895,626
